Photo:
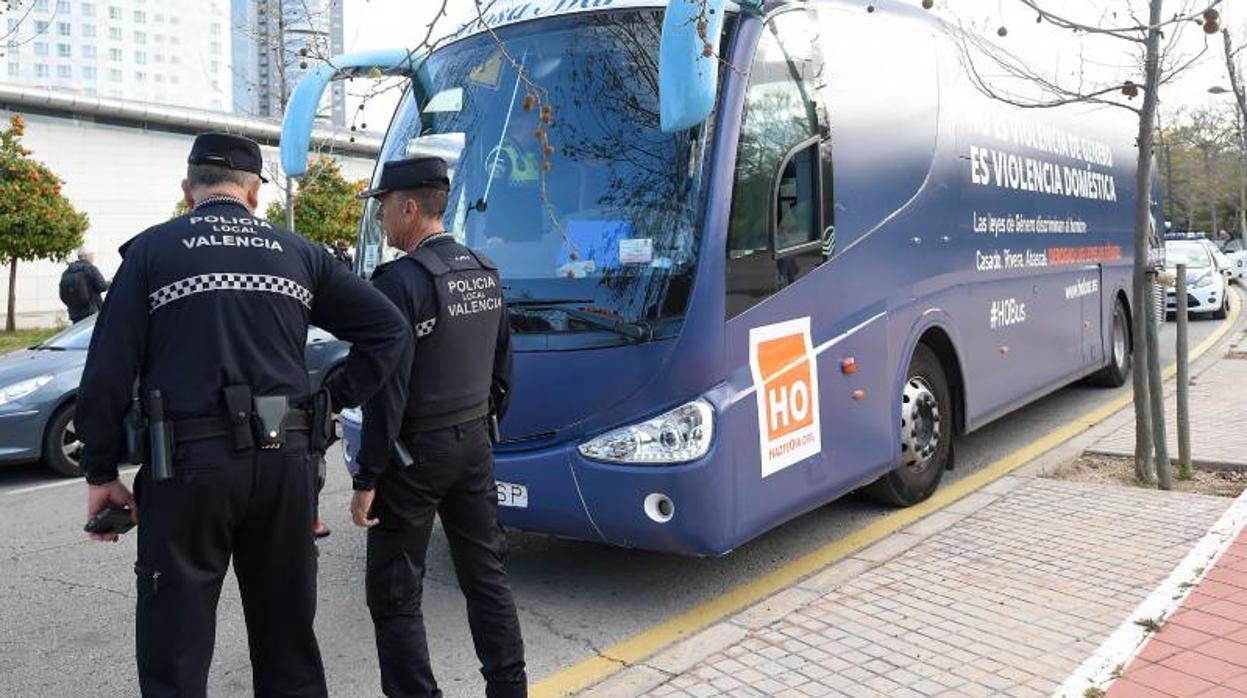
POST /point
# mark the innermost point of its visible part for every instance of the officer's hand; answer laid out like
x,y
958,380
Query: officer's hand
x,y
361,509
116,494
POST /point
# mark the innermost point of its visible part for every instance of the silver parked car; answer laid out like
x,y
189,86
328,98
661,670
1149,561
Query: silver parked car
x,y
38,387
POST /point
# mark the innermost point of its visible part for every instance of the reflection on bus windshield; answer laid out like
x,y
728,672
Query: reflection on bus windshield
x,y
592,201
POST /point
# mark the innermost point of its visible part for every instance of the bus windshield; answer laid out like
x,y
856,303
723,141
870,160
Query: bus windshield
x,y
601,223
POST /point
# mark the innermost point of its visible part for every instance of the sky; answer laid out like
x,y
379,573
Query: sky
x,y
373,24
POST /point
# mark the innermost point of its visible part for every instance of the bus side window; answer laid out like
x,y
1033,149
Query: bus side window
x,y
775,229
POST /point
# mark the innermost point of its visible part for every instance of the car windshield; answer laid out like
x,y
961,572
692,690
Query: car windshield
x,y
1192,254
76,336
603,219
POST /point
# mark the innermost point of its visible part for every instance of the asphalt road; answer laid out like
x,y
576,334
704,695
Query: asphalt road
x,y
67,604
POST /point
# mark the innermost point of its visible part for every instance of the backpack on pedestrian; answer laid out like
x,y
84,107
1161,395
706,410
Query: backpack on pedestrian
x,y
73,288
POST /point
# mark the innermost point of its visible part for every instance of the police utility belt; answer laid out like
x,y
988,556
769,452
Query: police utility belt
x,y
250,422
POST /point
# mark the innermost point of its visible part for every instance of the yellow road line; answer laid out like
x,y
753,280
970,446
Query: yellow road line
x,y
648,642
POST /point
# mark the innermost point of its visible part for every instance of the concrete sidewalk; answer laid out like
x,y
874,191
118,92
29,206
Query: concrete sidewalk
x,y
1007,592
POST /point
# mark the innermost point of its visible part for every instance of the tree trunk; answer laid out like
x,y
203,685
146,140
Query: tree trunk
x,y
1156,393
1142,218
10,322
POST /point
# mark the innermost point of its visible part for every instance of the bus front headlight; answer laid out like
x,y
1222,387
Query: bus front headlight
x,y
679,436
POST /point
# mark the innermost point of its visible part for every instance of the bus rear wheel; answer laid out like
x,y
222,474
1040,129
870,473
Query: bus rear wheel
x,y
1117,371
926,422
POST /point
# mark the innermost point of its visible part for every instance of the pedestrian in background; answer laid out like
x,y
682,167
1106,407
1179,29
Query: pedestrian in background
x,y
82,286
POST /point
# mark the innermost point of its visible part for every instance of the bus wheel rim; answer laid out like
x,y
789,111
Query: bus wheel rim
x,y
920,424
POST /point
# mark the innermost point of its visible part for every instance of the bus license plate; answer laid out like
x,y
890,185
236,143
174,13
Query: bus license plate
x,y
512,495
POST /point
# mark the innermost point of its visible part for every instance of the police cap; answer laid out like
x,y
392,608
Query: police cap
x,y
412,173
225,150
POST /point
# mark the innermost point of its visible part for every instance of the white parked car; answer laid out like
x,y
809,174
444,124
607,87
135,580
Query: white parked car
x,y
1233,250
1219,258
1206,283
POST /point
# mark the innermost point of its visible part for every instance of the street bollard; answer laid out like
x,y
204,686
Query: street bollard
x,y
1184,380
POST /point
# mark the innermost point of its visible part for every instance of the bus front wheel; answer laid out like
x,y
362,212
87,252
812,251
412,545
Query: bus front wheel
x,y
926,422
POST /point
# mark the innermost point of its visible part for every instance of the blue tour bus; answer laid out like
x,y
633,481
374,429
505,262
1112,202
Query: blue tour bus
x,y
738,294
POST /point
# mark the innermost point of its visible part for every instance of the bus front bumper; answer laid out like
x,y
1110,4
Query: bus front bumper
x,y
682,509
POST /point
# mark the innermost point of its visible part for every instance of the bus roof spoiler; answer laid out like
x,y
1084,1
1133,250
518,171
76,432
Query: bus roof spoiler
x,y
688,79
296,127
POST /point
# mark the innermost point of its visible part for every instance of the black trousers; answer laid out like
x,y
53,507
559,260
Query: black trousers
x,y
257,508
452,477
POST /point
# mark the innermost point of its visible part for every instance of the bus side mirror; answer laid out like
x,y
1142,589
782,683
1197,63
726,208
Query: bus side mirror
x,y
688,79
301,109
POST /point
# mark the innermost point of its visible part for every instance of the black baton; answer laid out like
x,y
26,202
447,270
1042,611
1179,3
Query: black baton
x,y
162,443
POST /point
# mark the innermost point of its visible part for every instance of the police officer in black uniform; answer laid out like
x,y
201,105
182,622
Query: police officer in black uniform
x,y
206,322
451,296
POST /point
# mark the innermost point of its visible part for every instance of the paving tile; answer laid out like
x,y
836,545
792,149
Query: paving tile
x,y
1221,692
1196,664
1182,636
633,681
1168,680
774,608
1238,683
1205,622
1124,688
934,523
1227,609
1155,650
1229,577
686,654
1218,589
971,503
1226,650
889,547
834,576
1199,600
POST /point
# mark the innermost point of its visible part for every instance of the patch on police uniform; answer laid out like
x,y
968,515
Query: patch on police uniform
x,y
424,329
223,281
470,294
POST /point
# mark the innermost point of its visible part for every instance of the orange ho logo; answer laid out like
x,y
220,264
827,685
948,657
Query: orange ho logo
x,y
785,376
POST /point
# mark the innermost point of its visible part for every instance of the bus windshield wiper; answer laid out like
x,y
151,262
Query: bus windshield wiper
x,y
635,331
540,302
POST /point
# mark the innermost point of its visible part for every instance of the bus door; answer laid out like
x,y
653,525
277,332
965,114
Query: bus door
x,y
797,432
1091,289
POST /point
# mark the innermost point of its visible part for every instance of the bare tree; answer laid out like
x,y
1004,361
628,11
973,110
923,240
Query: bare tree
x,y
1240,124
13,16
1149,43
1186,179
1211,133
